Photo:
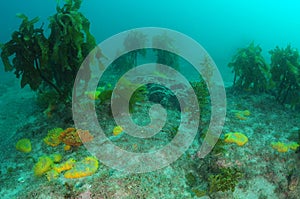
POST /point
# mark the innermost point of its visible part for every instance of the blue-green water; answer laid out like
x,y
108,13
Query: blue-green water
x,y
267,159
220,26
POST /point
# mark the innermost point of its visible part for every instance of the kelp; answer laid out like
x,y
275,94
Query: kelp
x,y
71,27
134,43
50,63
285,68
165,57
281,78
251,72
29,47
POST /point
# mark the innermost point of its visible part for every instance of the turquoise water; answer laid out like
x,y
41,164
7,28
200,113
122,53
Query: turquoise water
x,y
220,26
265,165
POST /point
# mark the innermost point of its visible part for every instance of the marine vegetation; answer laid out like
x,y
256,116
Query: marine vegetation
x,y
285,68
202,94
225,180
165,57
134,40
103,95
281,78
212,174
50,64
251,72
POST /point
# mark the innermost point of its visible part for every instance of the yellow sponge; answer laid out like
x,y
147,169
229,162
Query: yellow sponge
x,y
24,145
67,165
280,147
284,147
236,137
85,167
117,130
52,174
56,157
242,115
52,138
94,95
293,145
43,165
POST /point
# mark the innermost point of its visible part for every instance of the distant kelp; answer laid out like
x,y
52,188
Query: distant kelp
x,y
285,68
281,77
250,69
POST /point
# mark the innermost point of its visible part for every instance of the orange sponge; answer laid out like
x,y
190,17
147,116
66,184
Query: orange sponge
x,y
85,167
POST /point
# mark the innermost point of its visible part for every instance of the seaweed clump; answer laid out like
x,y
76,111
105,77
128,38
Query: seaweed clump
x,y
163,56
50,65
225,180
202,94
30,49
135,40
281,78
251,72
285,68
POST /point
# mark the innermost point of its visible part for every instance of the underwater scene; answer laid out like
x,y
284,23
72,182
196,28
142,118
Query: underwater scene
x,y
150,99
